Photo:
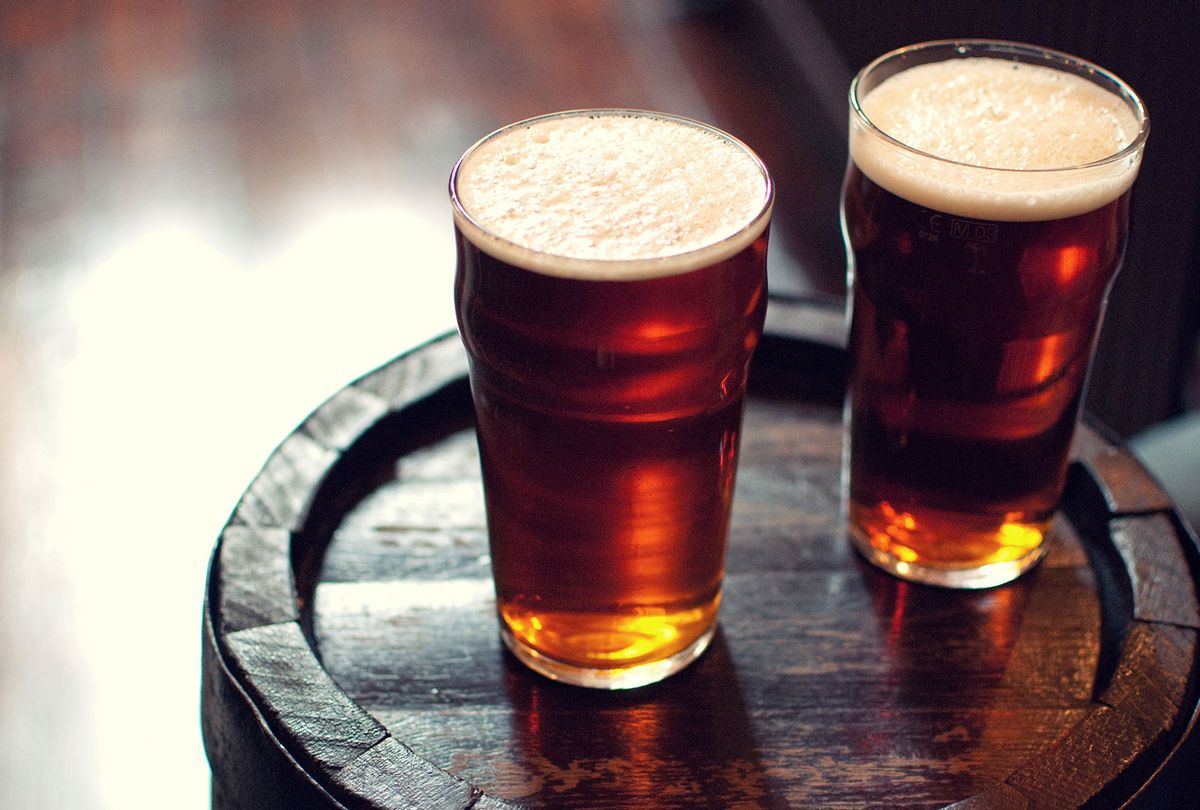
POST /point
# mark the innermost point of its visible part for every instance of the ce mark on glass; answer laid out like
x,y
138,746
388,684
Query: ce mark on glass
x,y
934,225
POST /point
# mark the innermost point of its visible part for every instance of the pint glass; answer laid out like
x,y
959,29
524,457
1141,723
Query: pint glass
x,y
985,210
610,292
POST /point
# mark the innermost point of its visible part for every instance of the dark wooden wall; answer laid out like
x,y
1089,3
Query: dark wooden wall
x,y
1154,311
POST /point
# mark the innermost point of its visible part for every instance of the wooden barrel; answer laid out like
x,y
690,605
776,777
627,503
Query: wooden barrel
x,y
351,655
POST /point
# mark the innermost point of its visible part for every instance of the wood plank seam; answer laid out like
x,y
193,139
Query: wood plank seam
x,y
263,589
360,749
280,495
277,667
218,721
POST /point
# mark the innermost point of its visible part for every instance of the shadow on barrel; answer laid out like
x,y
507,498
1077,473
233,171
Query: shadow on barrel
x,y
951,681
685,742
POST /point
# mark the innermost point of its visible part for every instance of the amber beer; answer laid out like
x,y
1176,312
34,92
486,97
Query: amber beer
x,y
985,211
610,292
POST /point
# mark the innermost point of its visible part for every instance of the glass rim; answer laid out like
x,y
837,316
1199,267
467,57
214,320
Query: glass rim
x,y
647,265
1016,51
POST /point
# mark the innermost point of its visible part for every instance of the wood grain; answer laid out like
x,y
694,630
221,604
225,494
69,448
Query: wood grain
x,y
829,683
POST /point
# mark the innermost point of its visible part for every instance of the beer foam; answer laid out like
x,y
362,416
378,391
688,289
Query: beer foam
x,y
1017,141
611,194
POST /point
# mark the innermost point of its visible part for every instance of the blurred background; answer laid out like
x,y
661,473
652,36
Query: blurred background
x,y
213,214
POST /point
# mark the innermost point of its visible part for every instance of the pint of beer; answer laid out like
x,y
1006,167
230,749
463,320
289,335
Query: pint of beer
x,y
985,211
610,292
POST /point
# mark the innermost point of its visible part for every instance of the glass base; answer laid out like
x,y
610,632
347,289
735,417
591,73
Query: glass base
x,y
628,677
982,576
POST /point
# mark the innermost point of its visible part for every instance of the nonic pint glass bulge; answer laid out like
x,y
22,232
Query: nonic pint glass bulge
x,y
985,210
610,292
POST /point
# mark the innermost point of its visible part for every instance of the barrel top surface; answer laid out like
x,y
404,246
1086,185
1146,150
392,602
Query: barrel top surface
x,y
352,655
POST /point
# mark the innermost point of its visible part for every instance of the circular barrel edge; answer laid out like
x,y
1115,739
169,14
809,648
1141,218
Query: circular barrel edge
x,y
268,707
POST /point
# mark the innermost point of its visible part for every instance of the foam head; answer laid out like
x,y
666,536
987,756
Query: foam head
x,y
996,139
610,194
